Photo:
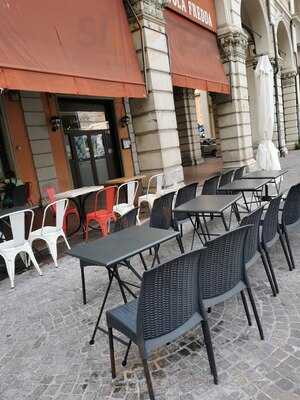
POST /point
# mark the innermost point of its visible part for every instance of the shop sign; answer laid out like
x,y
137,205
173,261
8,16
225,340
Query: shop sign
x,y
199,11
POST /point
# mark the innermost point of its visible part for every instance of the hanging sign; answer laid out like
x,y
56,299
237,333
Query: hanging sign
x,y
200,11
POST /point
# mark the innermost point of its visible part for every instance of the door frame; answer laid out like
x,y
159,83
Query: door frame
x,y
110,114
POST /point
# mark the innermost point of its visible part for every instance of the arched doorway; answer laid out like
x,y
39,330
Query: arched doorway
x,y
286,82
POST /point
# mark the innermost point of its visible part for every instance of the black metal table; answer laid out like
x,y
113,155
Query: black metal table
x,y
114,251
204,205
272,175
253,186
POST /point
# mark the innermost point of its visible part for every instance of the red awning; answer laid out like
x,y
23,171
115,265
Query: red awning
x,y
74,47
195,59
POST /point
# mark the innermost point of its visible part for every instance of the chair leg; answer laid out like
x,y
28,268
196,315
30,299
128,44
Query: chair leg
x,y
66,241
271,270
112,353
258,323
282,242
210,350
52,244
33,259
266,267
289,248
10,267
244,300
148,379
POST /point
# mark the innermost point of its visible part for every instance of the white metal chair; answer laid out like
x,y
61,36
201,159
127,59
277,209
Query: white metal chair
x,y
50,233
131,189
18,244
149,197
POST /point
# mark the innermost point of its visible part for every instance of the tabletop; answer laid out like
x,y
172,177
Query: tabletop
x,y
121,245
244,185
124,179
262,174
6,211
208,204
70,194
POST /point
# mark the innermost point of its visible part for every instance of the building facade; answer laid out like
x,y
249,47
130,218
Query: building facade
x,y
120,95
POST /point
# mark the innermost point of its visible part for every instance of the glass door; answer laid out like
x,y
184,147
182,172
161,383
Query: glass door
x,y
90,140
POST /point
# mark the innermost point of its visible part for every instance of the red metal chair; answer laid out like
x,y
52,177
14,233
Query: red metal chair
x,y
51,194
103,215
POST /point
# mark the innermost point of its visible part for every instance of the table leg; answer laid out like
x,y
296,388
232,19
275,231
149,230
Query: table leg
x,y
266,197
224,222
206,227
83,284
245,201
196,231
111,277
156,256
180,244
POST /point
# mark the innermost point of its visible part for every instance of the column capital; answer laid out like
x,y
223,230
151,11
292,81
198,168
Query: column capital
x,y
147,9
233,46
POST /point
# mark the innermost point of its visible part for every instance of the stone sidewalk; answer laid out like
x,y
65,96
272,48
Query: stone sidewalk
x,y
45,330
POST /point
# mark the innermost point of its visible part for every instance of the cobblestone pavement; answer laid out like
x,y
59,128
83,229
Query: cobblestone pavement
x,y
45,330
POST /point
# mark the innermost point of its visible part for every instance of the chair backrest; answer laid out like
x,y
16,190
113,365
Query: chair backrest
x,y
185,194
60,207
253,219
125,221
291,208
131,189
106,198
270,224
226,177
51,194
222,264
161,213
159,178
168,298
19,195
17,222
239,172
211,185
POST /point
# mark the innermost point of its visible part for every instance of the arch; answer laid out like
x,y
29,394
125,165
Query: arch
x,y
285,47
253,16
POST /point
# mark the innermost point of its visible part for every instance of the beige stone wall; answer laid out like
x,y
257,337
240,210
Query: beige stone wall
x,y
154,118
186,116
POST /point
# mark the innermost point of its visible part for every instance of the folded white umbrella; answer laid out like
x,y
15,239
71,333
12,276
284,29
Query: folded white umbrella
x,y
267,156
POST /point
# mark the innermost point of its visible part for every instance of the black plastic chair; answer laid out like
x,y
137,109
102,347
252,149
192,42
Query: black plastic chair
x,y
239,172
210,185
161,213
161,217
290,217
168,306
125,221
222,272
253,250
271,233
226,177
184,194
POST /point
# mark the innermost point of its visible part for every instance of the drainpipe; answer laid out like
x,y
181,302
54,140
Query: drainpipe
x,y
276,71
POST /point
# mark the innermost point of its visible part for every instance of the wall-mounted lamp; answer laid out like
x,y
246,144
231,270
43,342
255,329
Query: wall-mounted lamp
x,y
56,123
124,121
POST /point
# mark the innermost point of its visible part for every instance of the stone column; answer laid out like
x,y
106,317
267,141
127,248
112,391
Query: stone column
x,y
186,116
279,131
154,118
290,111
233,115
